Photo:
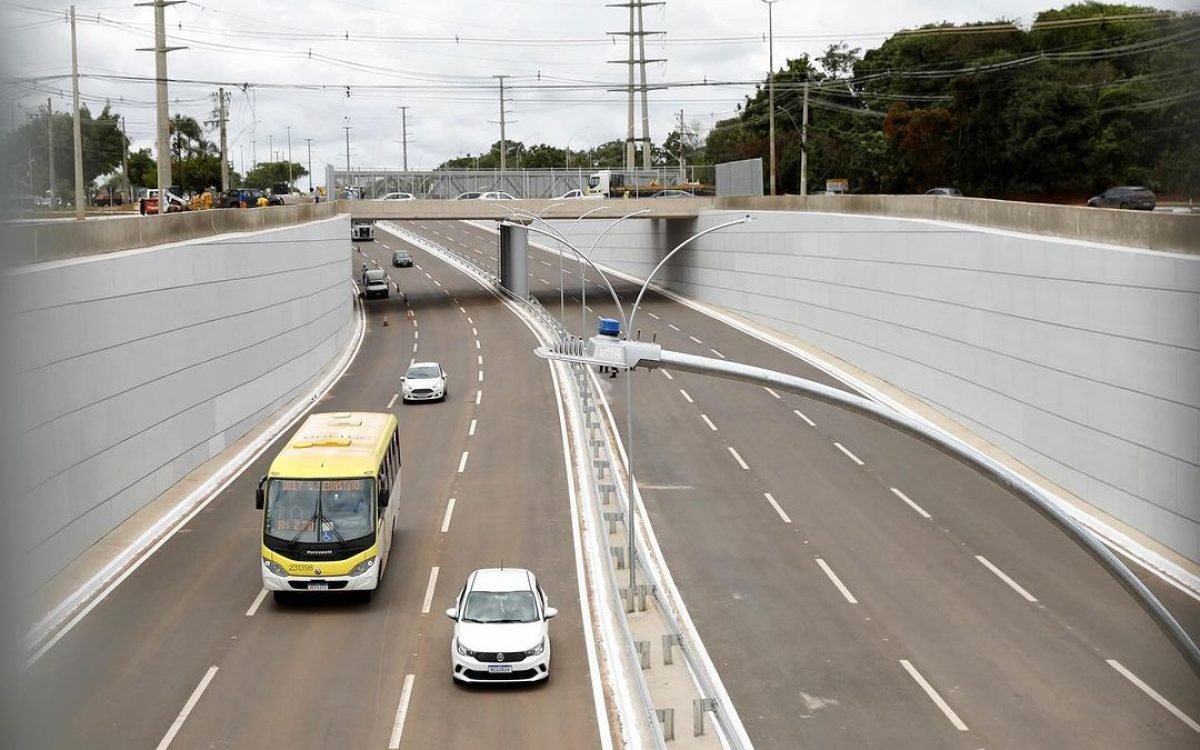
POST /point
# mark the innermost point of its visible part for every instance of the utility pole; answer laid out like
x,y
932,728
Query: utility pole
x,y
79,200
271,146
50,125
503,139
242,151
771,83
253,154
404,132
682,173
289,129
220,118
309,141
160,50
124,162
804,141
347,129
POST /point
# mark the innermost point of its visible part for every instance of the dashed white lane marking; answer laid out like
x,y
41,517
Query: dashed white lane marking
x,y
567,271
428,600
1004,577
1191,723
480,358
686,396
416,334
714,351
462,310
933,695
481,376
653,316
672,326
469,320
849,455
471,429
585,307
414,320
800,414
446,518
668,375
771,391
419,267
462,462
474,332
708,422
544,263
477,344
737,457
427,275
775,505
258,600
837,581
478,397
911,504
392,402
401,712
414,346
543,280
693,338
176,725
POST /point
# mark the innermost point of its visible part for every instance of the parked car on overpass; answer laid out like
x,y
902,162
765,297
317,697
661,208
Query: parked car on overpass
x,y
672,194
398,197
496,195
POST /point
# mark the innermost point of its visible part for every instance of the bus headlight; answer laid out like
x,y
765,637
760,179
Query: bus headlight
x,y
362,567
274,567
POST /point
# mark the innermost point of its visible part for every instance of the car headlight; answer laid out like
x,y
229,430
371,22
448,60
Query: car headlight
x,y
362,567
274,567
462,650
537,649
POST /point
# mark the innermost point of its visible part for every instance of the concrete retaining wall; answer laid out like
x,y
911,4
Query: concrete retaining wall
x,y
133,368
1081,360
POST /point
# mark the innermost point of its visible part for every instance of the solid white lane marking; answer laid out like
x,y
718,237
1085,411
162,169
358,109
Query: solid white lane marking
x,y
481,376
708,422
714,351
693,338
933,696
668,375
849,455
258,600
837,581
686,396
427,602
462,462
800,414
401,712
771,391
478,397
471,429
653,316
446,518
775,505
911,504
1004,577
737,457
672,326
393,400
176,725
1191,723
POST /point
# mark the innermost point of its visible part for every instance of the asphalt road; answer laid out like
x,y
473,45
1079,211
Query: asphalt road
x,y
856,588
188,652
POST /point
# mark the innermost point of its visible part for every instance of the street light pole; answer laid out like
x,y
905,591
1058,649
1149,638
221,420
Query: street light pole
x,y
309,142
771,82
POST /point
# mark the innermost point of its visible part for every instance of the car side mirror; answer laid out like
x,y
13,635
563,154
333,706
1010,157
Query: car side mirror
x,y
551,612
260,497
402,378
452,613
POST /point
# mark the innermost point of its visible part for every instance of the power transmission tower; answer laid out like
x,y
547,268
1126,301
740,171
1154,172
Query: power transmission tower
x,y
637,33
163,129
50,127
404,132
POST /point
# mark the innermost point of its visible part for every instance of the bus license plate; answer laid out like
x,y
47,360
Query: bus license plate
x,y
318,586
500,668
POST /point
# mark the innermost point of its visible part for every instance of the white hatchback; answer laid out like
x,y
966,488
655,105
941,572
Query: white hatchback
x,y
424,381
501,628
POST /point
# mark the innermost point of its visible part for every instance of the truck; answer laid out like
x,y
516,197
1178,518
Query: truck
x,y
362,231
282,194
607,183
149,202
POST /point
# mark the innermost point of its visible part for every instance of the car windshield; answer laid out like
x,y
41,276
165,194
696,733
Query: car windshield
x,y
319,510
500,606
422,373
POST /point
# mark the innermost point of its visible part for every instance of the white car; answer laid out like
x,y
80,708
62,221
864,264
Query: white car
x,y
496,195
424,381
572,195
501,628
398,197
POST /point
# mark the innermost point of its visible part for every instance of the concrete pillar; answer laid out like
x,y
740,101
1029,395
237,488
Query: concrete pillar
x,y
514,259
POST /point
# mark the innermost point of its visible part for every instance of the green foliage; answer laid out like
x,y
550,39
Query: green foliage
x,y
266,174
26,151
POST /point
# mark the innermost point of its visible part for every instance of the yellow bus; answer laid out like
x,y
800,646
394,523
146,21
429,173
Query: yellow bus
x,y
328,502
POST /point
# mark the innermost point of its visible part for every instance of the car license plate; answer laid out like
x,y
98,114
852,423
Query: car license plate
x,y
318,586
500,668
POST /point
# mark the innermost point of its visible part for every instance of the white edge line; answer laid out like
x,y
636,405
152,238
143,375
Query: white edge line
x,y
933,695
1191,723
427,602
837,581
1004,577
786,518
911,504
84,599
192,700
258,600
449,514
849,455
737,457
401,712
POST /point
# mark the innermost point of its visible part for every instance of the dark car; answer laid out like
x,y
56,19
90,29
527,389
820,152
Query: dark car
x,y
1125,197
401,259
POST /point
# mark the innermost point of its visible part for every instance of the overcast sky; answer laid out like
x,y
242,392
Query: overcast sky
x,y
298,57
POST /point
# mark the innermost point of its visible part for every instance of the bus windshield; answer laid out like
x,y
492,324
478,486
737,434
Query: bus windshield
x,y
319,510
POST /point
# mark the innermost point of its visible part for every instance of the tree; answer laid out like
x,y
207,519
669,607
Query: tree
x,y
267,173
25,151
143,171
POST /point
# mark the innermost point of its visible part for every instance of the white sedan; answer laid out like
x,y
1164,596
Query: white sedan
x,y
501,628
424,381
398,197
